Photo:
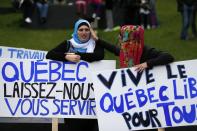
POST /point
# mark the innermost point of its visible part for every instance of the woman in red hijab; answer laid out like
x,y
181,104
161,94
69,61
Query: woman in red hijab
x,y
133,52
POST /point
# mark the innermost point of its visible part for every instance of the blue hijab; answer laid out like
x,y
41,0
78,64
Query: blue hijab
x,y
78,45
75,35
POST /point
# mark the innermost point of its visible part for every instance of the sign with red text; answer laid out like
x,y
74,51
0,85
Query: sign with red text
x,y
164,96
44,88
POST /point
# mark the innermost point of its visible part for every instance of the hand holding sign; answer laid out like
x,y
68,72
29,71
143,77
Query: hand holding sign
x,y
141,67
72,57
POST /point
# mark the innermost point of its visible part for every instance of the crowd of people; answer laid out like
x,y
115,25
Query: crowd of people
x,y
117,12
140,12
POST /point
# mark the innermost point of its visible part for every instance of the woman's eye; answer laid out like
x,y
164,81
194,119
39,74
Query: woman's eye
x,y
84,30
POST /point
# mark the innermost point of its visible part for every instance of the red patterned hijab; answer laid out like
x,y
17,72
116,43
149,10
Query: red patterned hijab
x,y
132,44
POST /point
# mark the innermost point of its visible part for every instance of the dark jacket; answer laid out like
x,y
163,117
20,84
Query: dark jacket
x,y
58,53
150,55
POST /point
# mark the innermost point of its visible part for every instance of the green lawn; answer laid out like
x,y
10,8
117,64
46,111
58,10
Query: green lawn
x,y
166,37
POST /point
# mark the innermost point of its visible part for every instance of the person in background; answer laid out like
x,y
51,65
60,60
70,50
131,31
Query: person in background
x,y
132,12
82,6
27,7
187,10
97,6
126,13
145,18
109,15
42,6
153,15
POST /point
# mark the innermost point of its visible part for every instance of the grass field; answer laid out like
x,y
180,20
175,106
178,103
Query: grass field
x,y
166,37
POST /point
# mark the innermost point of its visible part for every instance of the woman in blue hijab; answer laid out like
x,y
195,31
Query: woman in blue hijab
x,y
84,45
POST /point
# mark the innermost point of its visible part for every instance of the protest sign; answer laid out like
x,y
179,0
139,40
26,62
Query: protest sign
x,y
164,96
44,88
21,53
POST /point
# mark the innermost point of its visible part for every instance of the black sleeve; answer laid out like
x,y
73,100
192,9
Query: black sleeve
x,y
154,57
58,53
97,55
110,47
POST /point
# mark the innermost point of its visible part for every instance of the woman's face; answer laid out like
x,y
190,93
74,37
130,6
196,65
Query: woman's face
x,y
83,33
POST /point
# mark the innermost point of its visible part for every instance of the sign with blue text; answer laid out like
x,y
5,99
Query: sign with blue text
x,y
164,96
44,88
21,53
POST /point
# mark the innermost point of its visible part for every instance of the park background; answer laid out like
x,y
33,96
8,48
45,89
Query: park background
x,y
165,37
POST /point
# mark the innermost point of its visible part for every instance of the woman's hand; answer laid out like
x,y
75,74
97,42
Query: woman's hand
x,y
93,34
72,57
141,67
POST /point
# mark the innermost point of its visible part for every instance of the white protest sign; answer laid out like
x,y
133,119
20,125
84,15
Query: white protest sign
x,y
21,53
165,96
36,88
